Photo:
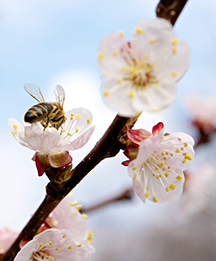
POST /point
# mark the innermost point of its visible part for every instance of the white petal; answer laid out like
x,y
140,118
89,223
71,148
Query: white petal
x,y
154,98
118,97
111,54
174,68
42,140
157,187
159,31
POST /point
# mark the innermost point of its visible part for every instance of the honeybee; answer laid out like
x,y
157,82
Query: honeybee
x,y
47,113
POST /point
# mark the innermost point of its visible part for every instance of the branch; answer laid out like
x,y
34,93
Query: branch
x,y
170,9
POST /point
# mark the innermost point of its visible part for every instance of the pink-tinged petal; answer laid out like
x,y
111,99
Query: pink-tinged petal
x,y
152,38
59,159
66,216
147,147
7,237
137,136
112,54
80,141
184,137
42,140
41,162
157,128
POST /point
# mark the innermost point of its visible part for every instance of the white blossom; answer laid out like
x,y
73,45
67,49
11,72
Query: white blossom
x,y
142,74
157,169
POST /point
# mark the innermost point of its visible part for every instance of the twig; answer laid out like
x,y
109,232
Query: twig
x,y
126,194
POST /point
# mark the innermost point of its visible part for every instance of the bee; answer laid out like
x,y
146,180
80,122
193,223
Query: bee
x,y
47,113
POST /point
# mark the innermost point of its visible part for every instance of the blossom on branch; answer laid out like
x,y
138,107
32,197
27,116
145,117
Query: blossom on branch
x,y
142,74
156,162
67,216
53,244
52,145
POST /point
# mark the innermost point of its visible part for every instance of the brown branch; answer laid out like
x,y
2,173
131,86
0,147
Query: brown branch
x,y
126,194
170,9
108,146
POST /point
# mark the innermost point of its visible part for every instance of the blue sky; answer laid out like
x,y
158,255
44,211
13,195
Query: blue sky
x,y
55,42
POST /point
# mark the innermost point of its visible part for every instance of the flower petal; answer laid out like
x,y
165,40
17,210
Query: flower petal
x,y
112,54
152,38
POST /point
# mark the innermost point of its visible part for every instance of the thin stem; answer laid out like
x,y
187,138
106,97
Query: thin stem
x,y
126,194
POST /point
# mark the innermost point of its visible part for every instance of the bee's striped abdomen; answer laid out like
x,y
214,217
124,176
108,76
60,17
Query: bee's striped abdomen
x,y
38,112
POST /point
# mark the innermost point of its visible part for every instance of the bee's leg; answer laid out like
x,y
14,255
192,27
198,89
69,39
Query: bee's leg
x,y
45,125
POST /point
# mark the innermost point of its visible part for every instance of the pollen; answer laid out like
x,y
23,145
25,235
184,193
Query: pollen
x,y
167,153
131,94
146,194
156,168
88,120
84,215
14,132
146,57
78,116
162,163
169,167
121,33
77,130
15,126
134,168
105,93
69,134
56,248
62,131
184,160
72,114
78,207
174,50
163,169
135,175
65,118
64,236
171,154
167,189
185,144
71,118
79,245
182,148
74,203
147,188
174,74
50,243
188,157
152,40
116,52
70,247
177,151
139,30
179,177
100,56
172,186
174,41
40,245
155,199
166,174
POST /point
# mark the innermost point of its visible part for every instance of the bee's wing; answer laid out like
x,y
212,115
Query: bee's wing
x,y
59,94
34,91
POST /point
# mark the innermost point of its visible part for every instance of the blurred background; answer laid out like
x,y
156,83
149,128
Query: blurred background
x,y
55,42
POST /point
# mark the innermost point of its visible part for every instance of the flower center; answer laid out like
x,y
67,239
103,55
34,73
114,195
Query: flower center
x,y
140,74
